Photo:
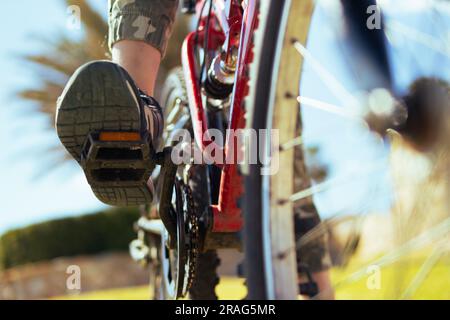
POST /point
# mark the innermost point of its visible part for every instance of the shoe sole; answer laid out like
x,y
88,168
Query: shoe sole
x,y
95,101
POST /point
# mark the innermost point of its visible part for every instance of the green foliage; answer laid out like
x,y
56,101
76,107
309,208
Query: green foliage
x,y
89,234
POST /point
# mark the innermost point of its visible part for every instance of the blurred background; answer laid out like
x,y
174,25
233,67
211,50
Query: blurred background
x,y
376,195
47,209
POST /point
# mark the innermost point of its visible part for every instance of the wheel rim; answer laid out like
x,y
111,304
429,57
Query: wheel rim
x,y
278,254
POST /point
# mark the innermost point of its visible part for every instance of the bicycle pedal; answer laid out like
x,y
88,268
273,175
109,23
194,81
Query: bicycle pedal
x,y
117,157
139,251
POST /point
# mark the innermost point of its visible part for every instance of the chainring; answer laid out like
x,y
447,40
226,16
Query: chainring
x,y
175,102
193,232
179,272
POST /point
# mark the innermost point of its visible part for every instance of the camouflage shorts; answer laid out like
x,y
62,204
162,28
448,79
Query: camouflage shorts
x,y
150,21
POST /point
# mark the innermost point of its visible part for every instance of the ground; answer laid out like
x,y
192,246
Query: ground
x,y
435,286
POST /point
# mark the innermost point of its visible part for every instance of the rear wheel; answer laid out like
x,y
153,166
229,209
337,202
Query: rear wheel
x,y
299,62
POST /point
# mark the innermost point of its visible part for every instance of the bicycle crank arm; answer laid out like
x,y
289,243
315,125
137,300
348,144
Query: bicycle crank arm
x,y
153,226
168,173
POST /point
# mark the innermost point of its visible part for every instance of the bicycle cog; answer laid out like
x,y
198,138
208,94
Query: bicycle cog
x,y
182,260
192,228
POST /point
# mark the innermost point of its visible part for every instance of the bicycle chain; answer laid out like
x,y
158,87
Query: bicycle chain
x,y
193,223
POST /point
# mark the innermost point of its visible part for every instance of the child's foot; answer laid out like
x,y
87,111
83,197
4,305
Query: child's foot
x,y
112,129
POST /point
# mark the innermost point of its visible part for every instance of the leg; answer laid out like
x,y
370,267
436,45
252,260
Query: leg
x,y
322,278
312,250
141,60
139,31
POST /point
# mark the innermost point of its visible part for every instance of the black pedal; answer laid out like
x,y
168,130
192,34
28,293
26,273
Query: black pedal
x,y
124,158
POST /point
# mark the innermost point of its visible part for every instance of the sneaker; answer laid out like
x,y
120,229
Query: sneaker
x,y
112,129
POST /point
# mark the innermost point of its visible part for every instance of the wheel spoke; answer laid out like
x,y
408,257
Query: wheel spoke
x,y
419,37
319,230
320,187
425,270
338,218
336,87
418,242
173,113
297,141
325,106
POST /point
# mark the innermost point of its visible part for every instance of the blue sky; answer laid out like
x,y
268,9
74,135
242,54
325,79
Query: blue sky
x,y
25,199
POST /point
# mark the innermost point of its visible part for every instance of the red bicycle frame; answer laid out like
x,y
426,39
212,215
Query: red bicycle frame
x,y
232,24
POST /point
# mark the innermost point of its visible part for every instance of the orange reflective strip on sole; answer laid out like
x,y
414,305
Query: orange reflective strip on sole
x,y
120,136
